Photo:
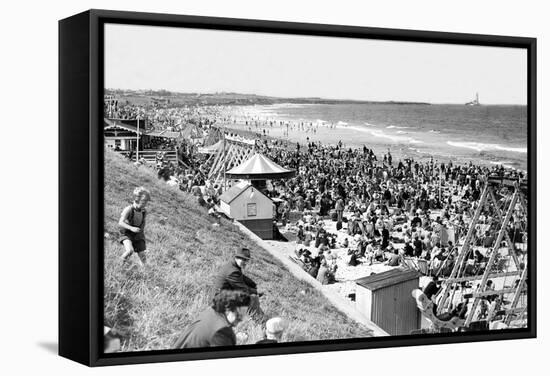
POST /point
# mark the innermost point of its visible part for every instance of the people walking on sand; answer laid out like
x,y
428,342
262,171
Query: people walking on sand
x,y
214,326
132,226
231,277
339,206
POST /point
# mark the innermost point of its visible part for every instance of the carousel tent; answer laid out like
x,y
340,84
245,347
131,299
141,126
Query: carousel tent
x,y
259,167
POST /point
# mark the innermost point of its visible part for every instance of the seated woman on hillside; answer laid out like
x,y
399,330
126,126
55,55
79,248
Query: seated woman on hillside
x,y
214,326
213,210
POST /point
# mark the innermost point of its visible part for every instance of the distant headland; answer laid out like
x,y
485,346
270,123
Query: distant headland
x,y
231,99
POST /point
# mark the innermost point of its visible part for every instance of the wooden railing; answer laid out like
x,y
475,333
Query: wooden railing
x,y
151,155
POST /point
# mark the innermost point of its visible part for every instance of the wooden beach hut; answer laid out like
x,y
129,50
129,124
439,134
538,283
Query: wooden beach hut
x,y
252,208
385,299
247,202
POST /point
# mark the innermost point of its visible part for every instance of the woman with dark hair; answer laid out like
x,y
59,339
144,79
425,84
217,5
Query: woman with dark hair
x,y
214,326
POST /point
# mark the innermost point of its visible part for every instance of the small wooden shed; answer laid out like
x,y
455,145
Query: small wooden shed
x,y
246,204
385,298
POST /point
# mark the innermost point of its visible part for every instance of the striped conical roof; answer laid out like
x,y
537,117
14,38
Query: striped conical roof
x,y
258,167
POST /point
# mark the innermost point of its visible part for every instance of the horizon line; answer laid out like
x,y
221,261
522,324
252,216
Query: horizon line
x,y
319,98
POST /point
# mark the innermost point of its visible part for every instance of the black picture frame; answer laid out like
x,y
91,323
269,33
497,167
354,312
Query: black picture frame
x,y
81,184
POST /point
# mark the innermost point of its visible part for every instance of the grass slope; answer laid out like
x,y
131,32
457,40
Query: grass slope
x,y
152,305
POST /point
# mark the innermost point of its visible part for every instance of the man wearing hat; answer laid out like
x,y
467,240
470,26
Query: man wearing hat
x,y
231,277
274,329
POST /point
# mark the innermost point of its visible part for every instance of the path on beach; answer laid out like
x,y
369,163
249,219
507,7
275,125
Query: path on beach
x,y
282,250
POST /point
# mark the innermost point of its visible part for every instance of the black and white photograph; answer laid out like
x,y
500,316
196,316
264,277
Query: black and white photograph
x,y
273,188
279,187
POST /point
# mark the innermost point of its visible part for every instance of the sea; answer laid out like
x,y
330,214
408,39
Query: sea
x,y
486,134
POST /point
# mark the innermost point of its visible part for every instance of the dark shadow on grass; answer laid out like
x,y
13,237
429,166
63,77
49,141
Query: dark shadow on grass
x,y
51,347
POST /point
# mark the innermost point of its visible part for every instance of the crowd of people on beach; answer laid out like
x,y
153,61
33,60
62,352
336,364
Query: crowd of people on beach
x,y
406,213
162,117
395,212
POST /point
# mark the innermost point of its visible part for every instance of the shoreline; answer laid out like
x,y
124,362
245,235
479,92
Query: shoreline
x,y
421,140
379,148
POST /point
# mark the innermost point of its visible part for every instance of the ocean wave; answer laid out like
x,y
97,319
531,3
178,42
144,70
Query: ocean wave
x,y
402,132
370,125
396,127
381,134
288,105
434,131
478,146
342,123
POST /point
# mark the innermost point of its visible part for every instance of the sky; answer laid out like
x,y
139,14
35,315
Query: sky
x,y
209,61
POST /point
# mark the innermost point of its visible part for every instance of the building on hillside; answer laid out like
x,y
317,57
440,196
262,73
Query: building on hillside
x,y
122,136
246,204
385,299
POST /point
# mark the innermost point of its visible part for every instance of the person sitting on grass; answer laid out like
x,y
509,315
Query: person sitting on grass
x,y
132,225
213,211
231,277
274,329
214,326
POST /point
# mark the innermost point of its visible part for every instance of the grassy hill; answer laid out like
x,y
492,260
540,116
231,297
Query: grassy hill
x,y
152,305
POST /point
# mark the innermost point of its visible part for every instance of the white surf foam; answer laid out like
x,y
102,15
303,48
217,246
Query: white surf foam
x,y
396,127
478,146
381,134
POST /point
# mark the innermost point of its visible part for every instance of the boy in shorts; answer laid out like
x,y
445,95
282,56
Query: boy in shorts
x,y
132,225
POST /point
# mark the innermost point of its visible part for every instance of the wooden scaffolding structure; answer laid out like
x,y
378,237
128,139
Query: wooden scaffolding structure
x,y
502,261
234,152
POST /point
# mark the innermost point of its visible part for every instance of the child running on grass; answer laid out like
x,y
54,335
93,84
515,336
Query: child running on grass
x,y
132,225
